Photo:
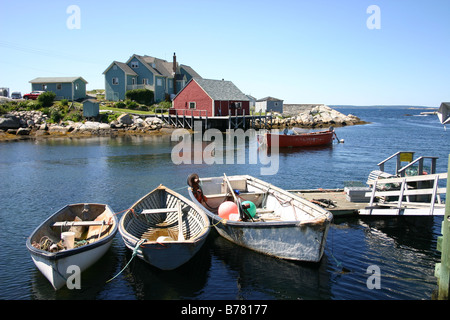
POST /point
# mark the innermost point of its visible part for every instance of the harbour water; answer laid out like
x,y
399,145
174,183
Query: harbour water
x,y
38,177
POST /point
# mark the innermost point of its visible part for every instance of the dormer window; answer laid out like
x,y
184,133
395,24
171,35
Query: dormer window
x,y
134,64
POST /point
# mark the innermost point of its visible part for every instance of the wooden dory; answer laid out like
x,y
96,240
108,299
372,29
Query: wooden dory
x,y
310,139
155,219
285,226
94,227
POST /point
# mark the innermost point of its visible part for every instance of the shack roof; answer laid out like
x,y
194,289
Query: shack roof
x,y
221,89
56,80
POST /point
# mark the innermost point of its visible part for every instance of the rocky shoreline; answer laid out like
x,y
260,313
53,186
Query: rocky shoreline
x,y
313,116
34,124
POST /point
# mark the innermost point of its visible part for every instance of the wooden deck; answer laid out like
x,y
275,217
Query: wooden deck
x,y
334,200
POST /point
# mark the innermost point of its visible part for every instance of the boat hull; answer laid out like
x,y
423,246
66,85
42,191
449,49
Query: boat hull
x,y
290,242
299,240
58,270
313,139
58,267
166,254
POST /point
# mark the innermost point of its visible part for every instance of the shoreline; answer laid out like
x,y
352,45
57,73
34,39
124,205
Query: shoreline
x,y
26,125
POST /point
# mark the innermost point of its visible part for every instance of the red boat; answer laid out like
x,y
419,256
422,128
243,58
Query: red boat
x,y
310,139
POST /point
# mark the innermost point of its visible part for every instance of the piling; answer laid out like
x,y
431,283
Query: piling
x,y
442,270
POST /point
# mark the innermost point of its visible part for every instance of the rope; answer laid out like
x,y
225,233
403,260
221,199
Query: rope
x,y
132,256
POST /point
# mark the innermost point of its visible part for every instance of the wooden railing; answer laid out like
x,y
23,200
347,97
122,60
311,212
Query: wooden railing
x,y
406,191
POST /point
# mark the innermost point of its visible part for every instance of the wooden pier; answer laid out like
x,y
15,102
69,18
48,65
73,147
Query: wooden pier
x,y
388,194
189,117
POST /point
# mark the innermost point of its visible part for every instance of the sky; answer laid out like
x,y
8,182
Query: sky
x,y
336,52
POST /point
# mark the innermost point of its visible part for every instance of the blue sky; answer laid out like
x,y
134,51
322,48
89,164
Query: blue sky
x,y
300,51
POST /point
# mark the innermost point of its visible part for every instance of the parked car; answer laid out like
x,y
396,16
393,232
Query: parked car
x,y
16,95
33,95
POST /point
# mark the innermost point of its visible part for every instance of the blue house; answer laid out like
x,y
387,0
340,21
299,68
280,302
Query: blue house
x,y
164,78
70,88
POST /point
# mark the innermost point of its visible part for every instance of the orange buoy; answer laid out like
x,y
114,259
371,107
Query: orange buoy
x,y
227,208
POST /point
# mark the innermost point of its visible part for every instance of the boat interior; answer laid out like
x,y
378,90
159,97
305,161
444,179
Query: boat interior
x,y
271,203
89,222
157,218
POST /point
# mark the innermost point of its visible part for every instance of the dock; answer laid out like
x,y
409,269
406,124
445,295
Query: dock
x,y
187,118
412,190
334,200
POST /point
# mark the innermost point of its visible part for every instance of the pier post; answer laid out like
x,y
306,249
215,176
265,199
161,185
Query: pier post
x,y
442,270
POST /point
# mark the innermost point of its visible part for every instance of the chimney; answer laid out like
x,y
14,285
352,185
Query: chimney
x,y
174,73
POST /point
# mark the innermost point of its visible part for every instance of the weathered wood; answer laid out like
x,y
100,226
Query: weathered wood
x,y
161,210
442,270
413,192
79,223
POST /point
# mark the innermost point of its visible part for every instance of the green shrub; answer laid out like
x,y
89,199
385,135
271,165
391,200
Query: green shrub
x,y
56,113
120,105
165,105
112,117
131,104
143,96
46,99
75,116
64,102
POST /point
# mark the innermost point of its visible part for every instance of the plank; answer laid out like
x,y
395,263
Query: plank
x,y
406,192
160,210
79,223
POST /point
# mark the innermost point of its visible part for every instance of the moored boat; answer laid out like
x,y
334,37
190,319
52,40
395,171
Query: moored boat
x,y
295,139
76,235
266,218
151,228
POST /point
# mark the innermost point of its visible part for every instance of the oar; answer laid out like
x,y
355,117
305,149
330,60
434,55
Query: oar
x,y
180,222
231,189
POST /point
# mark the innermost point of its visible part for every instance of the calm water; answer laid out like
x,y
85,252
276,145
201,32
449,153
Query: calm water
x,y
39,177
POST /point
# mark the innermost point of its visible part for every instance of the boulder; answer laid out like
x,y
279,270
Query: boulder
x,y
9,122
23,131
125,119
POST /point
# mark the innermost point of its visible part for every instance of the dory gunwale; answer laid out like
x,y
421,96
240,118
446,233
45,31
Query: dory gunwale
x,y
70,252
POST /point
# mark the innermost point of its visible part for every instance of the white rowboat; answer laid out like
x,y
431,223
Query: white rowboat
x,y
94,227
285,225
151,228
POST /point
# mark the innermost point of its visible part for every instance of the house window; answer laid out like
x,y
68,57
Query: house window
x,y
145,81
133,80
159,82
192,105
44,87
134,64
59,86
238,105
115,80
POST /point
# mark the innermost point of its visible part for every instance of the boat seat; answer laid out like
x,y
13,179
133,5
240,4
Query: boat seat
x,y
79,223
160,210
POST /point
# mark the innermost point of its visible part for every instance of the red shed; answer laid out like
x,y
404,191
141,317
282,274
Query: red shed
x,y
201,97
